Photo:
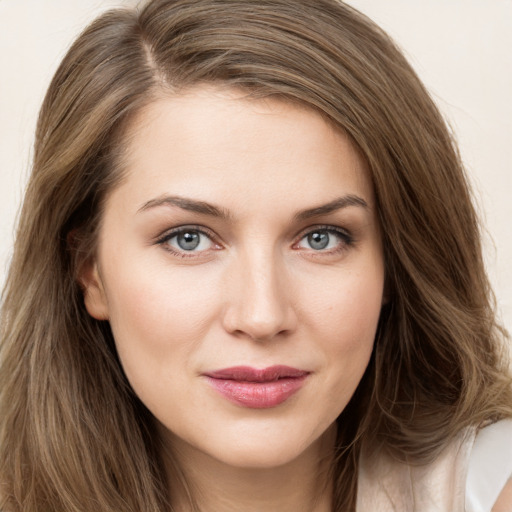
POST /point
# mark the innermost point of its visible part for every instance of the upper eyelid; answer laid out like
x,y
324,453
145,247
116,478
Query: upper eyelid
x,y
323,227
169,233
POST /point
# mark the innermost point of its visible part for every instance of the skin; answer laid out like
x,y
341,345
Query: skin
x,y
255,292
504,501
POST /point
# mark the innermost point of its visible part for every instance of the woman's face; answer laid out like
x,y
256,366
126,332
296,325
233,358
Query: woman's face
x,y
241,269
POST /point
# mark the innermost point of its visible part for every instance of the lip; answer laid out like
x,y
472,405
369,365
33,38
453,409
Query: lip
x,y
257,388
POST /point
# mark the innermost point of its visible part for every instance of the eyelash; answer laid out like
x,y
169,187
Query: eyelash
x,y
178,231
346,239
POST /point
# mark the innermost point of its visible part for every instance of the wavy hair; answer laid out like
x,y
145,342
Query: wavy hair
x,y
73,435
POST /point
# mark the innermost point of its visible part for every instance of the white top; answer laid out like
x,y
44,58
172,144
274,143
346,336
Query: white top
x,y
490,466
468,476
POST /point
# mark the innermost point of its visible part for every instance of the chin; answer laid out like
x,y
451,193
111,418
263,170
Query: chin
x,y
260,457
266,450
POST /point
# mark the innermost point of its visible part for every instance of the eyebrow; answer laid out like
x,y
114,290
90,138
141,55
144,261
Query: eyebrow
x,y
204,208
190,205
331,207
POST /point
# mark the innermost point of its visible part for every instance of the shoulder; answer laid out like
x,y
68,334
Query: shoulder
x,y
504,501
489,477
472,474
389,485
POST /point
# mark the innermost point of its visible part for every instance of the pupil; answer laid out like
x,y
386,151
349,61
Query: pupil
x,y
318,240
188,241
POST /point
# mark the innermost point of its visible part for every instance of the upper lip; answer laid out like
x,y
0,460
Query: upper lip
x,y
249,374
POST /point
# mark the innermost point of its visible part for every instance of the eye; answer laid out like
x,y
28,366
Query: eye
x,y
328,239
187,241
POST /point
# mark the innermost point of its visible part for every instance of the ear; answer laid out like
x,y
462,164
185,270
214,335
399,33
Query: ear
x,y
95,299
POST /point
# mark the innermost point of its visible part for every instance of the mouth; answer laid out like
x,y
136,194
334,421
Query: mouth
x,y
257,388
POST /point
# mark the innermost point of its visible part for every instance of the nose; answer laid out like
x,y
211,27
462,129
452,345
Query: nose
x,y
259,305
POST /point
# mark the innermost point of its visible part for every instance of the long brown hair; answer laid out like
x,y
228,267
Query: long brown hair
x,y
73,436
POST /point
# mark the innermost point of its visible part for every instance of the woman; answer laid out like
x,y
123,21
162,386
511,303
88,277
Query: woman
x,y
247,276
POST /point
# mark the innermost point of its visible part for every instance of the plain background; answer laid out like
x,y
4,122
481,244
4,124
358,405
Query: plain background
x,y
462,49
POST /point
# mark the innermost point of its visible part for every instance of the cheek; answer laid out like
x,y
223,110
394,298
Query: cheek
x,y
347,306
345,317
157,316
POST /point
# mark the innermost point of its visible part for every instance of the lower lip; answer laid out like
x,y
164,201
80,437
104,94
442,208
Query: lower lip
x,y
258,395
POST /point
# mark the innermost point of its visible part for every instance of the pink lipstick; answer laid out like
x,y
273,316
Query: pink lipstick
x,y
257,389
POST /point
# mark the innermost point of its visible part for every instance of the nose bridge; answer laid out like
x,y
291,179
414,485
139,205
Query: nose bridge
x,y
259,305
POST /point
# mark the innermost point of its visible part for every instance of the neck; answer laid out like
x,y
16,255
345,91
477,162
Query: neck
x,y
201,483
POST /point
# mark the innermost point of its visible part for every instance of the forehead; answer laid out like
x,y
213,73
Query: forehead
x,y
214,143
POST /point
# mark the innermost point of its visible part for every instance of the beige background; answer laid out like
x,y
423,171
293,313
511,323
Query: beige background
x,y
460,48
